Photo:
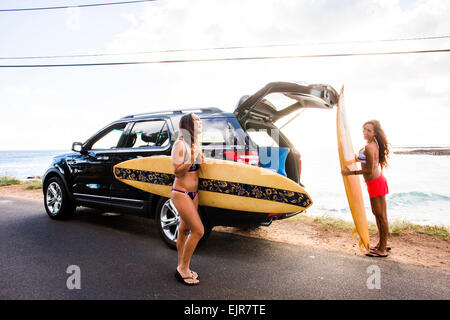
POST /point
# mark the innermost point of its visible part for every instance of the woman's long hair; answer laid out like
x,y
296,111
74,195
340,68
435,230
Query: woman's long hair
x,y
383,144
187,128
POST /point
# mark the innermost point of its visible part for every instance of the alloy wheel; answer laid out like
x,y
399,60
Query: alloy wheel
x,y
54,198
170,220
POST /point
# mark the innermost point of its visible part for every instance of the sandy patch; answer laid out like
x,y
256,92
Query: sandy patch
x,y
19,191
413,248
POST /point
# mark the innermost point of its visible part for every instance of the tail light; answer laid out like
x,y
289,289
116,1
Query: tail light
x,y
247,157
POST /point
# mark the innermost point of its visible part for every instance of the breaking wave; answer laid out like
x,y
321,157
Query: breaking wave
x,y
416,198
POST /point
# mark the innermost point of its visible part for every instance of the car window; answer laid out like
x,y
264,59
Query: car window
x,y
264,137
148,134
110,138
219,131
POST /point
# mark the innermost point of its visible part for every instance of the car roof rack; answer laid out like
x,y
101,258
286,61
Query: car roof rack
x,y
181,111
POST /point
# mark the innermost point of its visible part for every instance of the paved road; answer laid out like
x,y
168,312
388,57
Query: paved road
x,y
122,257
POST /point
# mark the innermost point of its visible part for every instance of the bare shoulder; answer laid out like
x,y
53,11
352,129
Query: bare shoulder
x,y
177,148
372,147
178,143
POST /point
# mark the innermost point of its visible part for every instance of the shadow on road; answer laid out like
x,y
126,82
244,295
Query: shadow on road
x,y
120,222
145,227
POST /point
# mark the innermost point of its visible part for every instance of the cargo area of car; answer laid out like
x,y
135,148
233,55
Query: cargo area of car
x,y
275,151
258,114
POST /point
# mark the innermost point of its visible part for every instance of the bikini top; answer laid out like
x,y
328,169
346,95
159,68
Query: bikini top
x,y
194,166
362,157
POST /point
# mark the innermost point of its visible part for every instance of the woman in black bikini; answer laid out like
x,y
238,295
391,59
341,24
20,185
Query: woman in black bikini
x,y
186,158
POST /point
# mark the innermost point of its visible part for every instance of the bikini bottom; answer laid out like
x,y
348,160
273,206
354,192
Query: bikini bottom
x,y
190,194
377,187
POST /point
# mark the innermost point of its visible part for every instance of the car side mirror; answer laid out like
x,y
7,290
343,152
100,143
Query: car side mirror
x,y
77,147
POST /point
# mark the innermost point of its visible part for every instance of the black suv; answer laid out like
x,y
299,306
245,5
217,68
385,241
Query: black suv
x,y
85,177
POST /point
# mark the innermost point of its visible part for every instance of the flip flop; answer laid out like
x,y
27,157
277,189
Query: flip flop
x,y
374,248
180,278
376,255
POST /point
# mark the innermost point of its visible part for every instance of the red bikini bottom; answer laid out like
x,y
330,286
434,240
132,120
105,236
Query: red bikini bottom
x,y
377,187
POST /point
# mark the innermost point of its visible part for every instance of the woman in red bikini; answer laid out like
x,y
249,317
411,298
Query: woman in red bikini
x,y
375,154
186,158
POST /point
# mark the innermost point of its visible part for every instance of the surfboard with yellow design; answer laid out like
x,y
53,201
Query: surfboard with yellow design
x,y
222,184
352,182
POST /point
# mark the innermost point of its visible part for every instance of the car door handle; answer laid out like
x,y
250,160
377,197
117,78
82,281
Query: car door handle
x,y
102,158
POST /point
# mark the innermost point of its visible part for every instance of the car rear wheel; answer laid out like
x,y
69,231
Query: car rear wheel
x,y
56,201
168,221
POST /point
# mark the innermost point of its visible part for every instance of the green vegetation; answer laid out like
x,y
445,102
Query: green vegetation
x,y
33,184
327,223
29,185
7,181
396,228
404,227
334,224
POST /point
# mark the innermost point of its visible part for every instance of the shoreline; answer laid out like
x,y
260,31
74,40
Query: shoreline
x,y
409,245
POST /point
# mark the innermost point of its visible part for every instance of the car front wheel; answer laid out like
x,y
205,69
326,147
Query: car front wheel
x,y
56,201
168,222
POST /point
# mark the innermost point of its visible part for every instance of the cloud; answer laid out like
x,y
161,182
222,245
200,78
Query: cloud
x,y
73,18
131,18
28,91
393,89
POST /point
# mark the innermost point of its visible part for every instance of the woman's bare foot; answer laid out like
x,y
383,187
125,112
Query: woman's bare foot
x,y
377,254
186,276
377,246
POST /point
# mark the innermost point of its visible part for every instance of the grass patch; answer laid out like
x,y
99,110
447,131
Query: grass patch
x,y
29,185
33,184
396,228
404,227
328,223
8,181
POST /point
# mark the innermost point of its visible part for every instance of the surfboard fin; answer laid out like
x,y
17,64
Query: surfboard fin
x,y
361,244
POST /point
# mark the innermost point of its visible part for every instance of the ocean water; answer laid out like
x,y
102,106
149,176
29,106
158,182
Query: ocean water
x,y
24,164
419,185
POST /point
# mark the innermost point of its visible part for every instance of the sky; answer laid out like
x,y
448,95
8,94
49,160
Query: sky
x,y
49,108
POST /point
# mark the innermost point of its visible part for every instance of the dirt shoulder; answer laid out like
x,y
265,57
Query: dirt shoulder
x,y
19,191
408,247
